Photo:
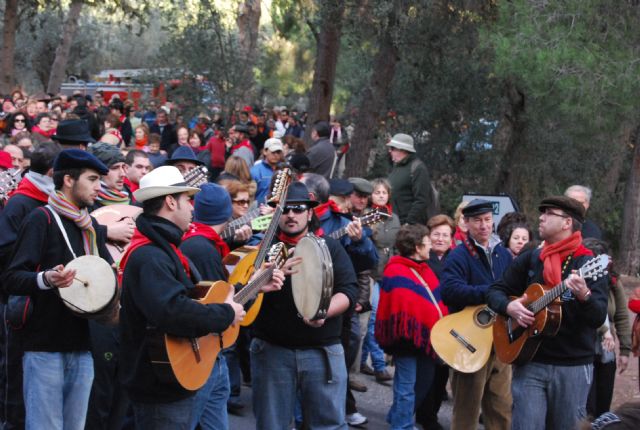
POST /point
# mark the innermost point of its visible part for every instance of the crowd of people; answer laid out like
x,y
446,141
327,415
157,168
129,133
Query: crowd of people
x,y
187,194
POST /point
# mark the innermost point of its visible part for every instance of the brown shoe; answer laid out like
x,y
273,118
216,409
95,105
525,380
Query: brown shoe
x,y
365,369
383,376
357,386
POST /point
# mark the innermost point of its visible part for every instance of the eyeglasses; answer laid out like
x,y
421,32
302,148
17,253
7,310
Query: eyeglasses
x,y
242,202
548,212
297,209
19,120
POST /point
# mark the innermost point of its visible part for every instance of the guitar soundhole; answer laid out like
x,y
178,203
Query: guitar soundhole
x,y
484,317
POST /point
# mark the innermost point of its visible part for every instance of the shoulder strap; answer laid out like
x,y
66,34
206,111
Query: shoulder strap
x,y
62,230
426,286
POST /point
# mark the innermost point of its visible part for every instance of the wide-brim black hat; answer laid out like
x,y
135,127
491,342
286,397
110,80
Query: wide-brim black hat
x,y
183,153
570,206
73,130
298,194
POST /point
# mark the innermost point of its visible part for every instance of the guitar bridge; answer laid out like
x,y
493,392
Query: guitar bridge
x,y
462,340
195,346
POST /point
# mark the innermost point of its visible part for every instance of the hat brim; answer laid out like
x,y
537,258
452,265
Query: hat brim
x,y
74,138
148,193
310,203
171,162
400,145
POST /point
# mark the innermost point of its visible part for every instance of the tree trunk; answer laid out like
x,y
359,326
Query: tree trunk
x,y
328,45
629,261
508,136
7,58
374,100
248,22
63,51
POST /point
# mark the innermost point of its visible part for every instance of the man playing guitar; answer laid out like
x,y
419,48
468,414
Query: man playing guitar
x,y
551,390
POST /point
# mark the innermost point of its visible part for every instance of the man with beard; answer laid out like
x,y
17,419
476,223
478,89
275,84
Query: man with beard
x,y
58,368
551,390
156,279
239,144
33,191
292,355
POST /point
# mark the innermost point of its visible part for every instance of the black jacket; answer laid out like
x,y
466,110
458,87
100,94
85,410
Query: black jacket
x,y
575,342
154,296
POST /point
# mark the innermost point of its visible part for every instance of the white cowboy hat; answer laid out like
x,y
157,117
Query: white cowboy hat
x,y
162,181
402,141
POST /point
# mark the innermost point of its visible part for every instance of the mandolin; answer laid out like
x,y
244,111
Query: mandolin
x,y
370,218
516,344
190,361
246,265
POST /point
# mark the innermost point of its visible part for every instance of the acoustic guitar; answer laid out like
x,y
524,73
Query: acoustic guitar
x,y
190,361
246,265
464,339
253,218
370,218
516,344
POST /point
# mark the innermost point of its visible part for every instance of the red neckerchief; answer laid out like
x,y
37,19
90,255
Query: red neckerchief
x,y
36,129
386,208
553,255
141,143
322,209
288,240
138,240
132,187
26,188
199,229
244,143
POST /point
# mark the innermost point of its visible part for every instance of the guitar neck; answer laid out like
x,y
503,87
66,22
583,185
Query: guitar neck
x,y
548,297
231,228
268,237
338,233
252,288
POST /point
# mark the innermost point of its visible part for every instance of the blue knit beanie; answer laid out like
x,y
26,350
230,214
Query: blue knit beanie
x,y
212,205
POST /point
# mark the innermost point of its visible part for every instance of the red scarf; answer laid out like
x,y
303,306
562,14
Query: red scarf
x,y
386,208
244,143
199,229
138,240
322,209
553,255
132,188
141,143
47,134
26,187
288,240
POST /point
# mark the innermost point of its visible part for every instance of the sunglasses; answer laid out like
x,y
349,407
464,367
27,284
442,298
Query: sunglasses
x,y
296,209
19,120
242,202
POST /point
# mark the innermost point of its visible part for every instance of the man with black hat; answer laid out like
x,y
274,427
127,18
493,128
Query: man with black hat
x,y
205,249
239,144
468,271
292,355
551,390
58,368
73,133
156,278
184,159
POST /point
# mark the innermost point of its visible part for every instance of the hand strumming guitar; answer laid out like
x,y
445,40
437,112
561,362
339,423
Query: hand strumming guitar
x,y
238,309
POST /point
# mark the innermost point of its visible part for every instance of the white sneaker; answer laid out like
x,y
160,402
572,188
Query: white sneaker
x,y
356,419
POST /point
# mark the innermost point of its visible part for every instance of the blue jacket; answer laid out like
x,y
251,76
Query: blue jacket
x,y
261,173
363,253
466,277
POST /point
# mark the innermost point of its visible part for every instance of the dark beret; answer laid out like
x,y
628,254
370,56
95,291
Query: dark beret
x,y
340,187
361,185
78,159
477,207
300,163
107,153
241,128
570,206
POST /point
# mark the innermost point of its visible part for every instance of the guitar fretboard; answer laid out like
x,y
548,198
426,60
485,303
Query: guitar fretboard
x,y
231,228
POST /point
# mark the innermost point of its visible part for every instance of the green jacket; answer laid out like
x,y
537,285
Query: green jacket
x,y
410,191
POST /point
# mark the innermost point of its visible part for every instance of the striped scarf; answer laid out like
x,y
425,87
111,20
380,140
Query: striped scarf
x,y
59,203
111,196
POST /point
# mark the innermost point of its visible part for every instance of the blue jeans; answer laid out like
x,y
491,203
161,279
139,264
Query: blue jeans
x,y
411,381
210,404
549,396
56,389
164,416
234,372
278,373
369,345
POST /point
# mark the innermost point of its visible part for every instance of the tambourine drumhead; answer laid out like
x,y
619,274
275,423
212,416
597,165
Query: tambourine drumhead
x,y
313,283
100,289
